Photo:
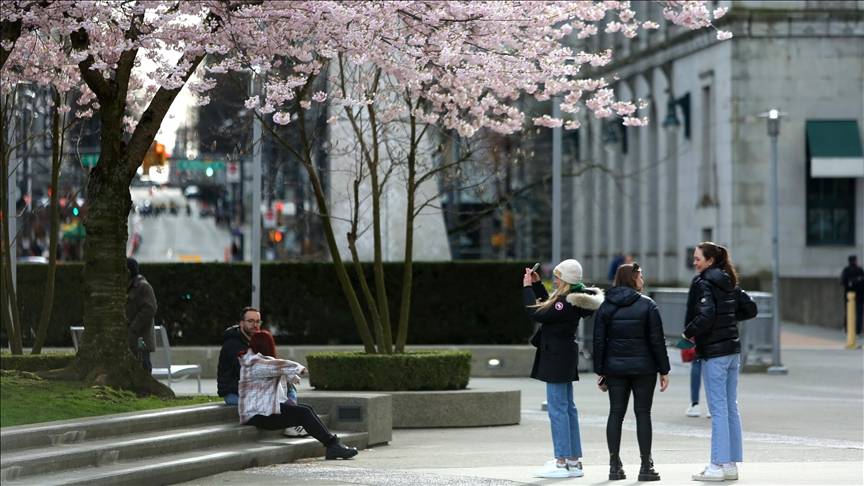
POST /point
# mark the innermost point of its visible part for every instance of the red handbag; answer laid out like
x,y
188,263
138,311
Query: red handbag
x,y
688,355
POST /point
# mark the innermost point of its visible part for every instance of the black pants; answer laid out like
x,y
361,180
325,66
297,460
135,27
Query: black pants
x,y
620,387
292,416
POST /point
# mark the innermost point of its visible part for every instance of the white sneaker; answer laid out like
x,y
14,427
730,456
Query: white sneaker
x,y
712,472
730,472
692,411
297,431
553,471
575,469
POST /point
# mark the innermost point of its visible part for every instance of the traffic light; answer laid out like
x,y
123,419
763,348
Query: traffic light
x,y
155,156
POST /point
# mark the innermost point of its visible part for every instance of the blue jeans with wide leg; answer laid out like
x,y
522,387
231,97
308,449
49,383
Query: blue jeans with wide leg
x,y
564,419
721,389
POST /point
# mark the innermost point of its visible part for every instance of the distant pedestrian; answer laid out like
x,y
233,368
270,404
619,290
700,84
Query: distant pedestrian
x,y
616,262
693,409
264,402
715,304
629,354
141,309
556,360
853,281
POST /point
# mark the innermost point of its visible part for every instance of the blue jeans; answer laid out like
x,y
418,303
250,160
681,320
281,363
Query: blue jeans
x,y
695,380
721,390
233,398
564,419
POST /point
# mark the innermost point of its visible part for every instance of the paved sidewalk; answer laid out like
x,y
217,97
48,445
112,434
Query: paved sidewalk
x,y
802,428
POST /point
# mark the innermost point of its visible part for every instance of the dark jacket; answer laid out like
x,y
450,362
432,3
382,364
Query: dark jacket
x,y
628,335
714,307
228,374
140,311
852,279
557,357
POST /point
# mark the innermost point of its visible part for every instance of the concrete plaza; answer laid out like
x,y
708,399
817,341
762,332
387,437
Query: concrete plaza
x,y
801,428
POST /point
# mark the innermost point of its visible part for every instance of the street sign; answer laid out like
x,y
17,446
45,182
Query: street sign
x,y
89,160
200,165
232,172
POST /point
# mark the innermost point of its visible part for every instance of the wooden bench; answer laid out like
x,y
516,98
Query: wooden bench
x,y
161,357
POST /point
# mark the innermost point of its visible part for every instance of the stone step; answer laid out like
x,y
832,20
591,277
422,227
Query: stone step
x,y
185,466
74,431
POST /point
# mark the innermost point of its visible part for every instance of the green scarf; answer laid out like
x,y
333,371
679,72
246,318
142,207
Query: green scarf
x,y
577,287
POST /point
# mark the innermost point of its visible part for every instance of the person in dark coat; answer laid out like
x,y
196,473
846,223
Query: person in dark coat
x,y
556,360
629,353
852,279
235,340
715,305
141,309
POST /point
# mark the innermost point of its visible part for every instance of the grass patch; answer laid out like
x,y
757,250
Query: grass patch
x,y
26,399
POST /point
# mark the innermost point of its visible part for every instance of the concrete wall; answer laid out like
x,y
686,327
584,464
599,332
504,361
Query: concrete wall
x,y
817,301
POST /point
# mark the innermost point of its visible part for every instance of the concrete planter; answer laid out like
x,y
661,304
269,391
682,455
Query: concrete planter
x,y
422,370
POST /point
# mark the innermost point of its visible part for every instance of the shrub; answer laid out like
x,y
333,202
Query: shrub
x,y
452,302
35,362
422,370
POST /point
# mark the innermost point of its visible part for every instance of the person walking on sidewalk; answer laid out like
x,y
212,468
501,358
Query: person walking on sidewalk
x,y
556,360
264,401
715,304
629,353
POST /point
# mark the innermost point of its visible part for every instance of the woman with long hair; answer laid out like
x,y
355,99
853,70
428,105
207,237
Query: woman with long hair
x,y
556,360
629,354
264,400
715,305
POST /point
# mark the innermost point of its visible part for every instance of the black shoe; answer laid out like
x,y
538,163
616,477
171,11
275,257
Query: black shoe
x,y
338,451
616,470
647,472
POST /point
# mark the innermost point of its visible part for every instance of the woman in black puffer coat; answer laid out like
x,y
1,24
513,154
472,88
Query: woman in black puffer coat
x,y
715,305
629,353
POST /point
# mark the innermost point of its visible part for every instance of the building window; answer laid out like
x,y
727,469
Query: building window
x,y
830,211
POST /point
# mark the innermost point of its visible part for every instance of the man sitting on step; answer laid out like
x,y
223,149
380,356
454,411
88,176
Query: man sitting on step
x,y
235,341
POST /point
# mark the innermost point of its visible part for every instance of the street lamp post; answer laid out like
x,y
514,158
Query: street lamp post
x,y
773,118
255,239
556,183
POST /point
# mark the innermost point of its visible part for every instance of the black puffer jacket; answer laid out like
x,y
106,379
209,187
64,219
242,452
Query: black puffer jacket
x,y
557,357
228,374
714,307
628,335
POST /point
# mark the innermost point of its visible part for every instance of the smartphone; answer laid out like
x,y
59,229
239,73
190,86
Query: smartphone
x,y
535,267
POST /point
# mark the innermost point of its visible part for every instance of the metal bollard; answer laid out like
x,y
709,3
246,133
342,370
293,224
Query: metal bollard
x,y
851,336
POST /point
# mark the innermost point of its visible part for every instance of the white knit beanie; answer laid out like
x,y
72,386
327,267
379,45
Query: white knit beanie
x,y
569,271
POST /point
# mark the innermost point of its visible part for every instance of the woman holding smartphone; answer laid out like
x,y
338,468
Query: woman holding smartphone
x,y
629,354
715,304
556,360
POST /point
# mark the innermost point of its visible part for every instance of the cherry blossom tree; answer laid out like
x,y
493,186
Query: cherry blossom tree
x,y
458,66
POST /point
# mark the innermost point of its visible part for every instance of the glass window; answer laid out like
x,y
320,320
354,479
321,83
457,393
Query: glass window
x,y
830,211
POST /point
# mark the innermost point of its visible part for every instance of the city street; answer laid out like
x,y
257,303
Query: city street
x,y
802,428
182,237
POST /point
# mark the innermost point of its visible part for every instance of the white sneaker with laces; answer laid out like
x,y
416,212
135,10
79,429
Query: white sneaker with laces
x,y
575,468
712,472
297,431
553,471
730,471
692,411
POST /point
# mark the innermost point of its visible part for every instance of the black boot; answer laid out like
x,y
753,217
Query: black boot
x,y
335,450
647,472
616,470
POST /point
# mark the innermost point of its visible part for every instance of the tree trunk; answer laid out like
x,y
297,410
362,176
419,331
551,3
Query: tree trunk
x,y
57,131
408,263
11,318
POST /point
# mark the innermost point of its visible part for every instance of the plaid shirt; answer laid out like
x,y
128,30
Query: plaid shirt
x,y
262,384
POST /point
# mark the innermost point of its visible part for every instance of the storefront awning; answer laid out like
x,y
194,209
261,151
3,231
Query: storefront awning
x,y
834,148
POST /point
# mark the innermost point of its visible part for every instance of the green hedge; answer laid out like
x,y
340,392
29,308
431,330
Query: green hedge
x,y
422,370
453,302
35,362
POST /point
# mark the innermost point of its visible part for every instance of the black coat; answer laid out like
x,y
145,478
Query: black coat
x,y
228,374
557,357
714,307
628,335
